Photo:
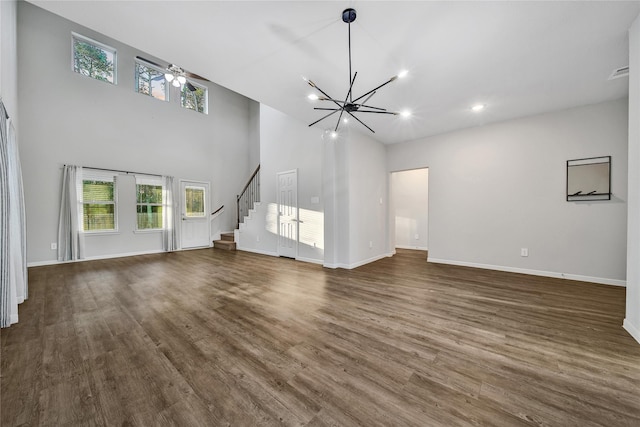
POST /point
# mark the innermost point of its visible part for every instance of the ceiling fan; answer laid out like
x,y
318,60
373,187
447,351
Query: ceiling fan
x,y
175,74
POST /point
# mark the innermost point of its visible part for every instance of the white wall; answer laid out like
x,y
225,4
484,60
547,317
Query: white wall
x,y
496,189
254,136
287,144
632,319
67,118
342,193
410,207
367,199
9,59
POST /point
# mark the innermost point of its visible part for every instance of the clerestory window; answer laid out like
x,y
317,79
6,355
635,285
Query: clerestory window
x,y
94,59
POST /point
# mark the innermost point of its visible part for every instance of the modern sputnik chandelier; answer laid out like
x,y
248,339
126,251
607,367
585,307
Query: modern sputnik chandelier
x,y
351,105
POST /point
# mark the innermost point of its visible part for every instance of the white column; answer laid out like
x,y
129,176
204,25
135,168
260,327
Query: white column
x,y
632,319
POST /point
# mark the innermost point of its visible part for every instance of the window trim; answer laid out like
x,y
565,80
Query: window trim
x,y
206,98
167,91
75,36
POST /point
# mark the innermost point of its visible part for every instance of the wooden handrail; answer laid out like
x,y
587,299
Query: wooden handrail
x,y
252,191
217,210
255,172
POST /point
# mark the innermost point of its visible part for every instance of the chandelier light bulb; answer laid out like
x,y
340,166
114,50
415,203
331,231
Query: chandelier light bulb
x,y
402,74
405,113
478,107
334,135
313,97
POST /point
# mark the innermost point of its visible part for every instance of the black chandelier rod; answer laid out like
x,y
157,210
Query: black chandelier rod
x,y
373,90
361,122
330,114
350,94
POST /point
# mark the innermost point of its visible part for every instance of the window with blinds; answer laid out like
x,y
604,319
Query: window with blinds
x,y
98,201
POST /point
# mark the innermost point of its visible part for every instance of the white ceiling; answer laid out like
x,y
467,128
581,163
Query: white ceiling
x,y
518,58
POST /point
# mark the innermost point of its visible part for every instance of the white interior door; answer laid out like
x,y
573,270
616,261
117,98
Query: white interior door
x,y
288,213
194,230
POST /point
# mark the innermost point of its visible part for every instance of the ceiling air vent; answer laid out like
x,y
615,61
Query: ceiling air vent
x,y
619,72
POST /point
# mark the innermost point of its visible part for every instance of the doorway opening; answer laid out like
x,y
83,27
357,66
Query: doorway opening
x,y
410,209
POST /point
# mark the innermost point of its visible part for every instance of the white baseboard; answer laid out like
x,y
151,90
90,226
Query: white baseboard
x,y
310,260
359,263
416,248
93,258
256,251
599,280
633,331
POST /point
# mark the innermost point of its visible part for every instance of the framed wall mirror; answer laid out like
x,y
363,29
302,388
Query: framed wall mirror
x,y
589,179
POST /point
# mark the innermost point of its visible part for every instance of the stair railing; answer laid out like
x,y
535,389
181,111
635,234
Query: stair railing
x,y
249,195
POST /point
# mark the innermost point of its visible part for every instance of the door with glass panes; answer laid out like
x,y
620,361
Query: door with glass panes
x,y
195,225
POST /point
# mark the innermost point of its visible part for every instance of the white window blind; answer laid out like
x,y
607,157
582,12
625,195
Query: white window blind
x,y
97,193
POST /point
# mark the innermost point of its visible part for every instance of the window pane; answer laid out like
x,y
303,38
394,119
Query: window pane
x,y
149,217
150,81
93,61
194,100
194,201
149,193
97,191
99,217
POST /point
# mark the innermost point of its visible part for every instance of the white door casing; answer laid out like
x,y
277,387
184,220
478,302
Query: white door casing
x,y
194,206
287,185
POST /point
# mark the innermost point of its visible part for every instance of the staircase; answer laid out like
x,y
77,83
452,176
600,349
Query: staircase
x,y
245,202
226,242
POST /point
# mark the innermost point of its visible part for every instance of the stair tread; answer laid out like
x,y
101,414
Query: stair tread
x,y
224,244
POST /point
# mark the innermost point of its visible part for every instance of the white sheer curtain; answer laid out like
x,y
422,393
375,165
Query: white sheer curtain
x,y
13,261
5,289
70,235
17,227
169,236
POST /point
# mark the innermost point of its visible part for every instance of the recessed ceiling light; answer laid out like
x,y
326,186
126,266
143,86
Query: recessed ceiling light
x,y
478,107
313,97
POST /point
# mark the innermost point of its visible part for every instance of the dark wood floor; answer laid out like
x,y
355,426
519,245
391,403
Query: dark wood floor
x,y
217,338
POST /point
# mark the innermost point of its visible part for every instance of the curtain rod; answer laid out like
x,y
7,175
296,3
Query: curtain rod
x,y
121,171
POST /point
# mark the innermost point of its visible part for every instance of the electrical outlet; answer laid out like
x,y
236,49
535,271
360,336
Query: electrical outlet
x,y
524,252
417,237
370,244
257,238
54,246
